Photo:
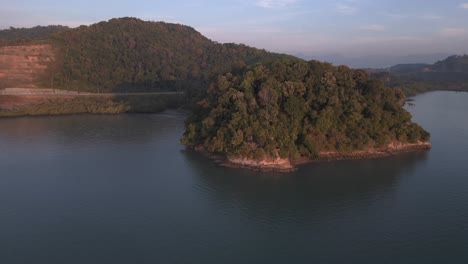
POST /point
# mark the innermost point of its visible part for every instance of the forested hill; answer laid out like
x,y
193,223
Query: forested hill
x,y
17,36
296,109
128,54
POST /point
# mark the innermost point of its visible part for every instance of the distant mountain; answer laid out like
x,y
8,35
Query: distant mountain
x,y
403,68
376,61
452,64
448,74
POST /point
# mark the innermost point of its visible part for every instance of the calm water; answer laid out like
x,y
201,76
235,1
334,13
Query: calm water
x,y
121,189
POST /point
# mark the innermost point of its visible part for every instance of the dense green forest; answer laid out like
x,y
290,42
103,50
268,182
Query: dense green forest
x,y
296,109
129,54
449,74
19,36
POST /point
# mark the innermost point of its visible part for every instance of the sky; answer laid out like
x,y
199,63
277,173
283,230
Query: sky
x,y
349,27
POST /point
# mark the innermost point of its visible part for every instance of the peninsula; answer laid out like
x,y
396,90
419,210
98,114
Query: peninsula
x,y
275,115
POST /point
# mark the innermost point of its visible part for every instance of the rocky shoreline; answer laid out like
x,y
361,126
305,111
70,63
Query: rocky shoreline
x,y
278,164
287,165
390,149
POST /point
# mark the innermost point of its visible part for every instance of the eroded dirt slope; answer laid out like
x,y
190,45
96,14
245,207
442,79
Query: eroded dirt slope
x,y
20,66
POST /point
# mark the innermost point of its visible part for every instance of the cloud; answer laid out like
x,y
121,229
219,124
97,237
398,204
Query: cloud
x,y
374,28
464,5
275,4
346,9
453,32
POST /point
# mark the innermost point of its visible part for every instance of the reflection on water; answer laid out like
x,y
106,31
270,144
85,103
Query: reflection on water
x,y
89,128
308,192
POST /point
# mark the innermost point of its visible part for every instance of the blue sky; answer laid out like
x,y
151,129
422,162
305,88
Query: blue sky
x,y
349,27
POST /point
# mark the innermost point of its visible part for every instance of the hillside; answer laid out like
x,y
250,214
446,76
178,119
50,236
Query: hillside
x,y
280,112
129,54
124,55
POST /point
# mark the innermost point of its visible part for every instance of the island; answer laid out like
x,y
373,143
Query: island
x,y
273,116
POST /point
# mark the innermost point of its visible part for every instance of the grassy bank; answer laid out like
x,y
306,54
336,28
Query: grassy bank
x,y
49,105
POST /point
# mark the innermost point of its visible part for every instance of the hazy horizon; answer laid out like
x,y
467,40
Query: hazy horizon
x,y
310,29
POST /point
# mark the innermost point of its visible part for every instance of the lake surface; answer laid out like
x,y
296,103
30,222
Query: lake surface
x,y
122,189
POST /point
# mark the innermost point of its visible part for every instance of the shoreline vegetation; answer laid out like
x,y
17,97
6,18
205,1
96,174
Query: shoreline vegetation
x,y
66,104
